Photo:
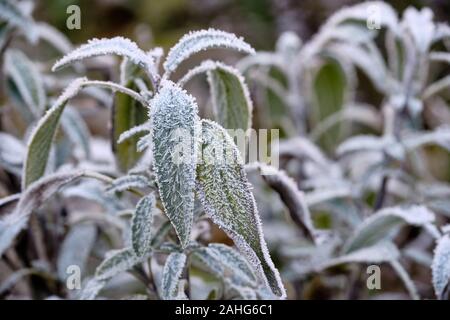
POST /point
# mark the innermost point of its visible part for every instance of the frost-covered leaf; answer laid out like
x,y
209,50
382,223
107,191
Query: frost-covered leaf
x,y
117,261
141,225
226,196
292,197
385,223
201,40
231,100
91,289
174,124
27,80
41,139
172,272
128,182
75,248
34,196
380,252
117,46
441,267
11,12
225,262
12,153
76,129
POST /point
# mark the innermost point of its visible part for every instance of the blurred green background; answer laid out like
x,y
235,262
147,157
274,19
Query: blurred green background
x,y
162,22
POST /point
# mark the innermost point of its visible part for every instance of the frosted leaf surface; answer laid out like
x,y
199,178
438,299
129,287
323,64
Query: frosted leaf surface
x,y
174,124
226,196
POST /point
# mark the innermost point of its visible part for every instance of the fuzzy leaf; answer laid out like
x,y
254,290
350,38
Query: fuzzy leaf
x,y
226,196
174,116
75,248
225,262
27,80
34,196
117,45
385,222
201,40
172,272
116,262
441,267
91,289
41,139
230,96
128,182
292,197
141,225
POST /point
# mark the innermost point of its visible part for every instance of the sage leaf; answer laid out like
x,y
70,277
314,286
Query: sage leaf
x,y
174,117
226,196
141,225
172,272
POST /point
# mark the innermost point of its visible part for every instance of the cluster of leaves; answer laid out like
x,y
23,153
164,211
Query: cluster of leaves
x,y
139,224
364,164
151,220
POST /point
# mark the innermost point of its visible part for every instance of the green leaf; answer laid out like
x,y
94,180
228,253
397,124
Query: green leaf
x,y
141,225
230,96
329,96
226,196
126,114
383,225
43,134
174,125
172,272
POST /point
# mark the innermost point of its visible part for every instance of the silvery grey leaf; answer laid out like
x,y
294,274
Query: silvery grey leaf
x,y
118,46
385,222
172,272
128,182
441,267
196,41
117,261
141,225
